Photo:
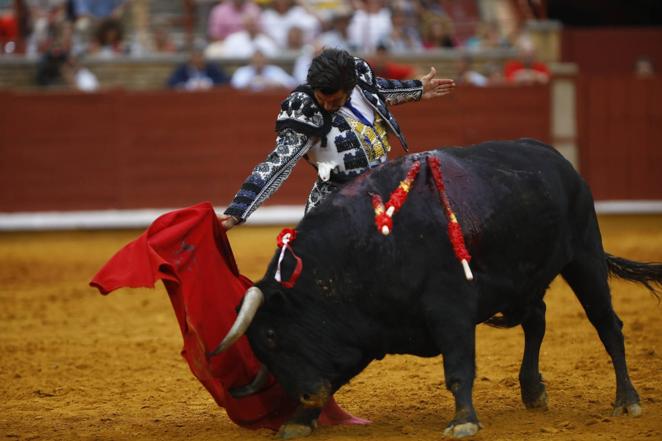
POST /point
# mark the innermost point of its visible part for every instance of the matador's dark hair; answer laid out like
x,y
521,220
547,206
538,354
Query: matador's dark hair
x,y
331,71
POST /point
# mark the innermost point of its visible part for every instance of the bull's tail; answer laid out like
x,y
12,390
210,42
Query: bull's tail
x,y
648,274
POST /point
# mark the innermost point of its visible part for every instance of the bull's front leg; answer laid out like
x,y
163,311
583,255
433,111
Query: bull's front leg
x,y
457,342
302,423
460,371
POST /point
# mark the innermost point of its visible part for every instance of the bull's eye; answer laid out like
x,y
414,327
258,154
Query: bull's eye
x,y
271,339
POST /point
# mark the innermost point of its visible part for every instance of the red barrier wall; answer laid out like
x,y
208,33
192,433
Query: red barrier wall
x,y
619,134
610,50
168,149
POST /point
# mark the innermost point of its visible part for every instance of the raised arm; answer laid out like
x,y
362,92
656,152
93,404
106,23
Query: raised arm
x,y
299,125
267,176
399,92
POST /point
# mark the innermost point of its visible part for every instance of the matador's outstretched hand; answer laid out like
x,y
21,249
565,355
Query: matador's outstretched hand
x,y
435,87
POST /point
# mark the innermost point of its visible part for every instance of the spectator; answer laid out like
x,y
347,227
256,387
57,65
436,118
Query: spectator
x,y
384,67
99,9
229,17
505,16
526,70
438,32
487,36
49,68
78,77
55,55
8,21
466,73
109,39
197,74
200,13
162,43
337,37
494,74
91,13
244,43
370,25
46,18
303,60
283,15
404,37
409,8
324,10
295,39
643,67
259,76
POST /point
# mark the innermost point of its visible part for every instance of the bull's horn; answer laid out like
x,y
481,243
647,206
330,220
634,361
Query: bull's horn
x,y
252,301
256,385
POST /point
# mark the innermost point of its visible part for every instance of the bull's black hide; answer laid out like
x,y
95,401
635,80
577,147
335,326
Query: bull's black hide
x,y
527,217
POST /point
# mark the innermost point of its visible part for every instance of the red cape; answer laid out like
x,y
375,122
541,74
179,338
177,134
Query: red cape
x,y
189,251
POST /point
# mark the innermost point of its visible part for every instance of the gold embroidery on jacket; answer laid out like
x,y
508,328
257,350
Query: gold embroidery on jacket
x,y
374,140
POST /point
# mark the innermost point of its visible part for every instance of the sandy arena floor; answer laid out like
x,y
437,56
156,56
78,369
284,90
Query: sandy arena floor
x,y
77,365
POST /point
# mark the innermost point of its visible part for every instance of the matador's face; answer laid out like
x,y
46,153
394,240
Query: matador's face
x,y
331,102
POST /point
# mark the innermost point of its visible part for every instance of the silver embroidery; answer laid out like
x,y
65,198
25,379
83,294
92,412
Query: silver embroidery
x,y
399,96
319,192
288,142
279,166
365,72
289,113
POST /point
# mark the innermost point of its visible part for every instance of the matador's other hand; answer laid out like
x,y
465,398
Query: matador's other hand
x,y
434,87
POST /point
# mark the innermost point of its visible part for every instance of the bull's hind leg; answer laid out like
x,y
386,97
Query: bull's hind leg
x,y
532,387
587,276
454,334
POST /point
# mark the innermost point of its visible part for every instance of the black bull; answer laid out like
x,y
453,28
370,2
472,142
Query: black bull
x,y
527,217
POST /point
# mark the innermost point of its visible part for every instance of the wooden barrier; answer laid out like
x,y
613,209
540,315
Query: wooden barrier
x,y
619,133
119,149
600,51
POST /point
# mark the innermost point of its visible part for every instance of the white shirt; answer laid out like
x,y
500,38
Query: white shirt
x,y
366,30
360,104
247,77
277,26
240,45
86,80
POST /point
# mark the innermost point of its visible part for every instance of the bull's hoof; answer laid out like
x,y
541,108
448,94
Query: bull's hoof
x,y
537,403
292,430
630,409
461,430
534,394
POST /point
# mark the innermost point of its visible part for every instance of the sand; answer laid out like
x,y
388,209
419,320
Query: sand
x,y
77,365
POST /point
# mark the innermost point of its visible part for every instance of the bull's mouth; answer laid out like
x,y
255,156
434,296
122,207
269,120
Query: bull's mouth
x,y
317,399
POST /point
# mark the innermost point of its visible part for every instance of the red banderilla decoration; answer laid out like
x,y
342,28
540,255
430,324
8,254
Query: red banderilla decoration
x,y
454,229
384,213
284,241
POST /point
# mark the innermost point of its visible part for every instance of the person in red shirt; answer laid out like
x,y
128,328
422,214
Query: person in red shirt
x,y
526,69
383,66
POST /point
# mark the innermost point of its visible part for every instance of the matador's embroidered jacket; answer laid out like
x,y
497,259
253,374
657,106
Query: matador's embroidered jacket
x,y
338,146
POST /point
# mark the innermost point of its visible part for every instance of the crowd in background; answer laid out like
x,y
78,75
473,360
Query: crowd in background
x,y
61,31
